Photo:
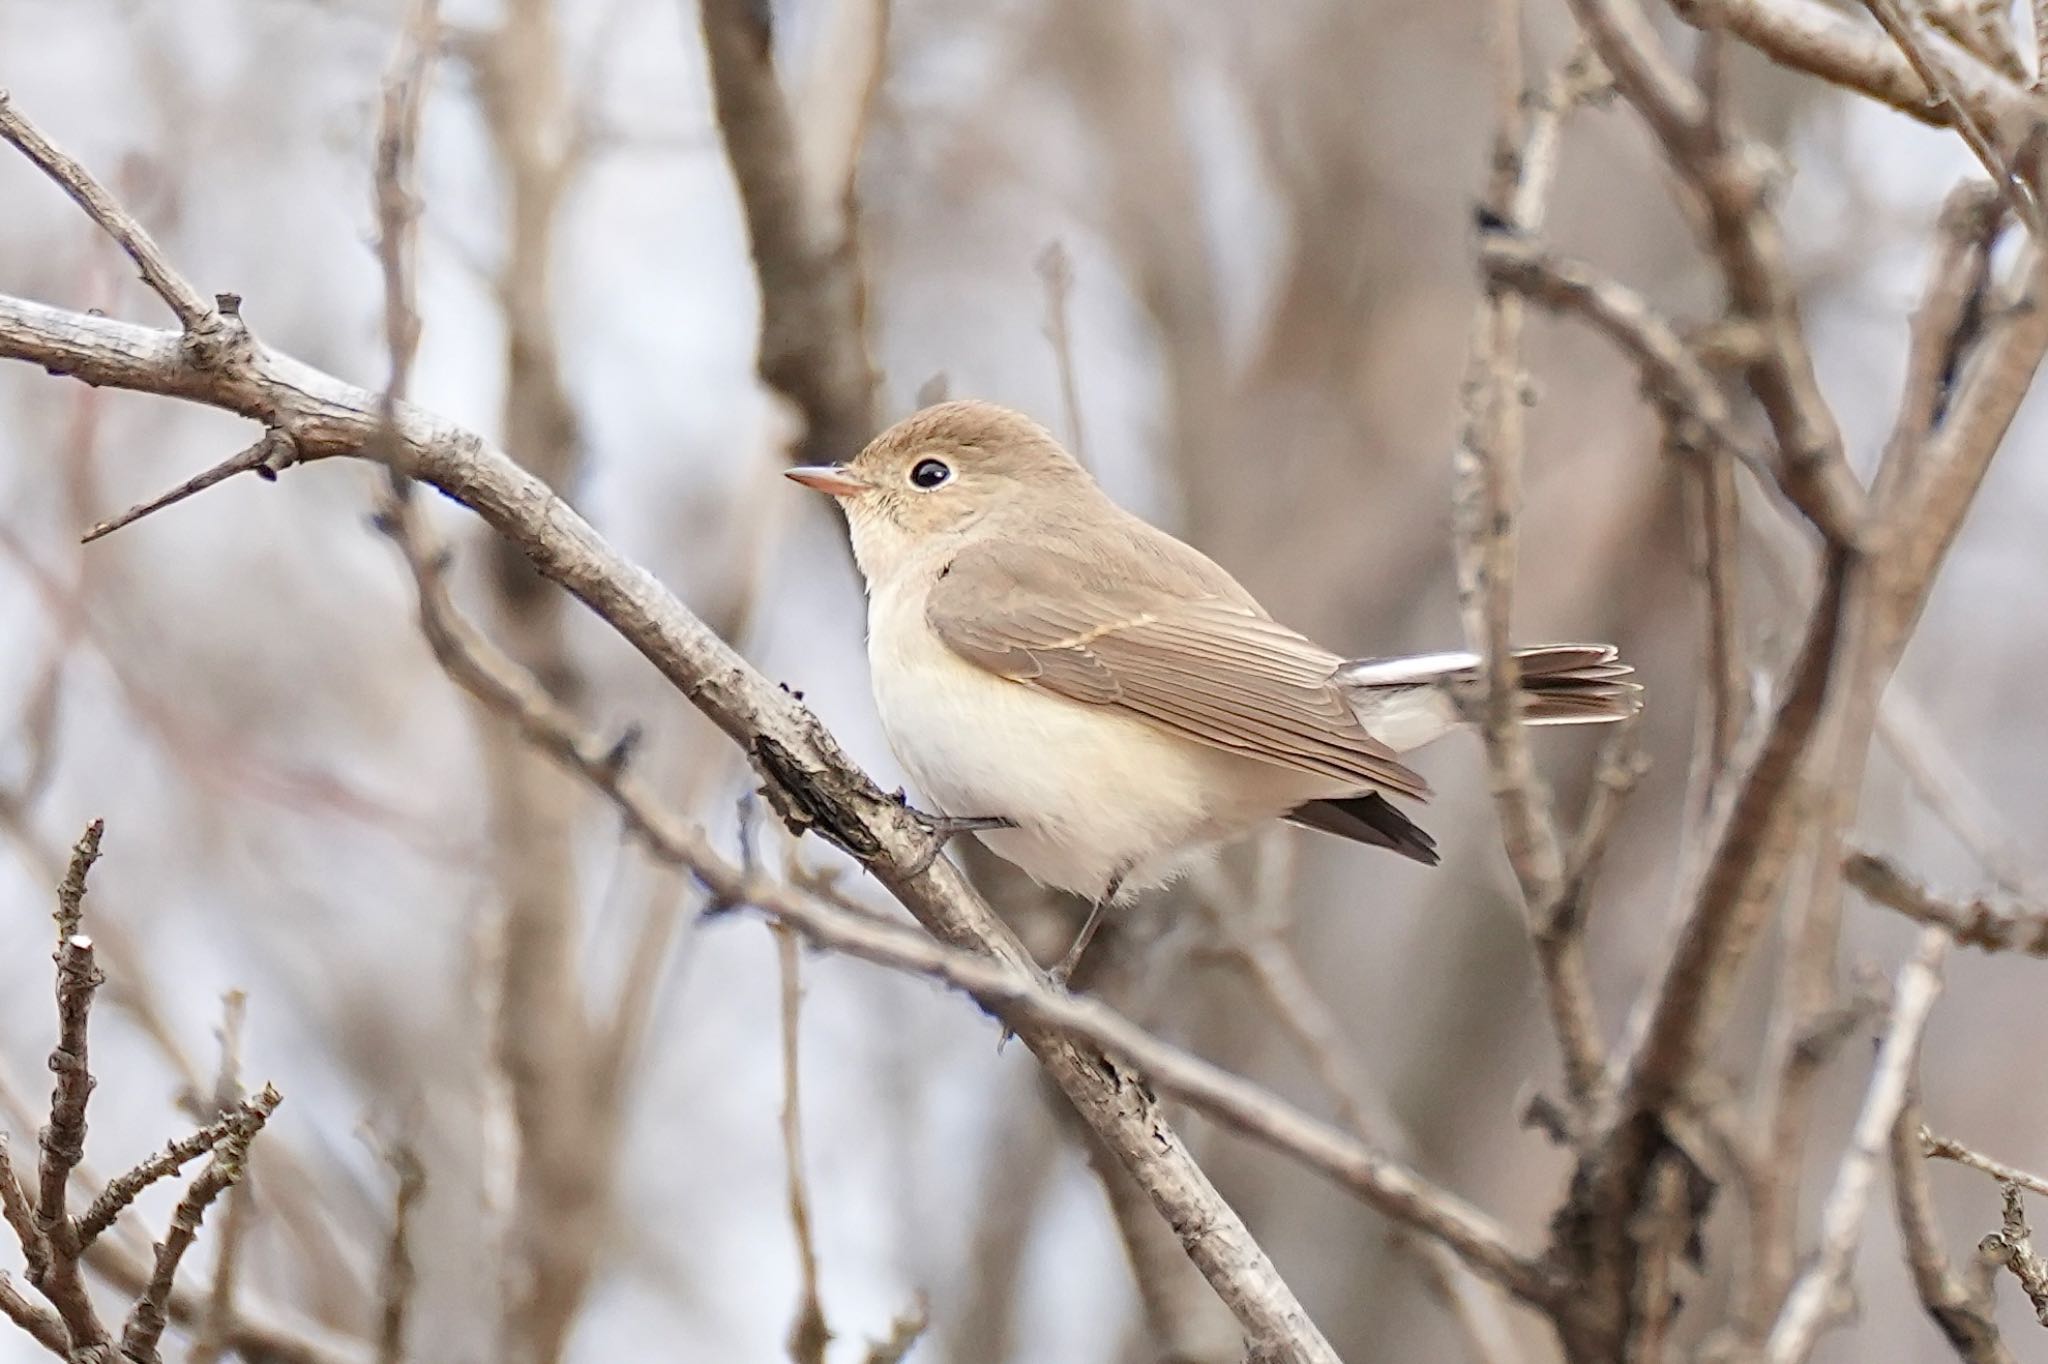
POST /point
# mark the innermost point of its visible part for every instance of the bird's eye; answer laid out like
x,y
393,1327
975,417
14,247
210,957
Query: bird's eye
x,y
930,473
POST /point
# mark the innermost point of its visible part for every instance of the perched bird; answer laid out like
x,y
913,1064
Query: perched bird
x,y
1096,699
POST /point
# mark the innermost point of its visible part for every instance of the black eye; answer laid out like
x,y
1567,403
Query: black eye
x,y
930,473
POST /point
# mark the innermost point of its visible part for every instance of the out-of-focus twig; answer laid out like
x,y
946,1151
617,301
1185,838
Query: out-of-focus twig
x,y
809,778
1809,1307
1976,923
54,1244
2013,1245
62,1140
1912,41
1964,1314
205,331
904,1332
808,1334
1253,933
218,1326
1818,38
1056,274
1486,502
1946,1148
149,1316
813,349
398,1278
1948,790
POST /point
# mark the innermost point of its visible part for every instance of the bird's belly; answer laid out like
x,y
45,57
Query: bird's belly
x,y
1093,792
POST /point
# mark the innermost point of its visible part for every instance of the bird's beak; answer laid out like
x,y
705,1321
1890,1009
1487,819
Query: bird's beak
x,y
835,479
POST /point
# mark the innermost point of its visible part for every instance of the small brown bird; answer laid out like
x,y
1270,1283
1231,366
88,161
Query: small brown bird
x,y
1097,700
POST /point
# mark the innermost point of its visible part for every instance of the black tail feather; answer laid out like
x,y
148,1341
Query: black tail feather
x,y
1370,818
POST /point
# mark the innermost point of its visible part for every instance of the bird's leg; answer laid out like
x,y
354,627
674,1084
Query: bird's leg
x,y
1064,971
945,828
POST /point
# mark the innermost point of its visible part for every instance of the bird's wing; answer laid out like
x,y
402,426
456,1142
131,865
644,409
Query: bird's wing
x,y
1202,666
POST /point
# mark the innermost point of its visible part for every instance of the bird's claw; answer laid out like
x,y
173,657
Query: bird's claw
x,y
945,828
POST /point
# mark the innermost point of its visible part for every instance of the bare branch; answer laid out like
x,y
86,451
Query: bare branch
x,y
266,456
1810,1306
63,1137
176,1155
147,1319
20,1210
397,1279
1945,1148
1486,500
39,1322
205,330
808,1334
1978,923
1056,274
1928,66
904,1332
218,1326
2013,1245
812,300
1729,181
1673,376
1964,1316
1814,37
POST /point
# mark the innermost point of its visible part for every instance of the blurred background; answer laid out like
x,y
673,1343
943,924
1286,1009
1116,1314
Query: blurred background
x,y
1226,253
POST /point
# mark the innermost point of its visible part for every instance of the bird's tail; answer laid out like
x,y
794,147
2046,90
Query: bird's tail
x,y
1407,702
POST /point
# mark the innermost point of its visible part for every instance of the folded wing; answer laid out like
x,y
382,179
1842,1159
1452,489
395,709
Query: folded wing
x,y
1207,667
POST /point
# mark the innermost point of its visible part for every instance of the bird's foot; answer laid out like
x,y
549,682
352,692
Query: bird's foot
x,y
1063,970
945,828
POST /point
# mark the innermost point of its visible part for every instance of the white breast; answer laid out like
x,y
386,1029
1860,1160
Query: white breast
x,y
1093,792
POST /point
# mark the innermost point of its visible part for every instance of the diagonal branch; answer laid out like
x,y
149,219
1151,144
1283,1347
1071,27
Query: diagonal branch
x,y
204,326
809,779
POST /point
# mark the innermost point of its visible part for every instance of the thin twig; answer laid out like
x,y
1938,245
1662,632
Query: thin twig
x,y
1947,1148
1820,39
2013,1245
176,1155
1965,1316
1256,937
268,454
20,1212
904,1332
397,1278
808,1334
147,1319
63,1136
218,1326
1672,374
204,327
1978,923
1980,140
808,775
1056,273
1810,1306
1947,789
1486,502
39,1322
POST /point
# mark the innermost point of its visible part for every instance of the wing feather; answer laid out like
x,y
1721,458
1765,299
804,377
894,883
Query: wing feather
x,y
1204,665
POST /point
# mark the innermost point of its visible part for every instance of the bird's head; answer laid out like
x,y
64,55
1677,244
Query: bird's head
x,y
931,477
